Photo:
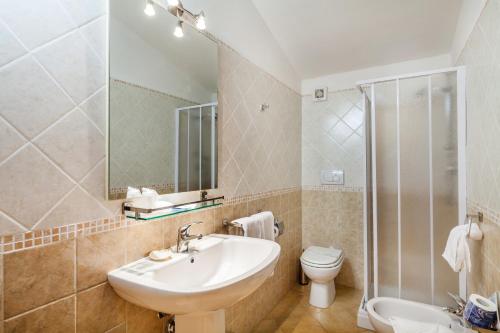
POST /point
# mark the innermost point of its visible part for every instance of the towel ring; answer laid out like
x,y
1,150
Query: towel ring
x,y
469,217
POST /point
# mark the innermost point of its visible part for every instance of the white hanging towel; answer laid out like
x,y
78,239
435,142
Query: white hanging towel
x,y
267,221
402,325
457,252
252,226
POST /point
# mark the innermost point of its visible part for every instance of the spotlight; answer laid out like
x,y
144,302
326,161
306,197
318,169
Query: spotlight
x,y
200,21
149,10
178,32
173,3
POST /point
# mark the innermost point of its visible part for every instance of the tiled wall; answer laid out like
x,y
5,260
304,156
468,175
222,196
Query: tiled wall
x,y
332,137
58,287
52,113
260,151
481,55
332,215
142,136
52,118
335,218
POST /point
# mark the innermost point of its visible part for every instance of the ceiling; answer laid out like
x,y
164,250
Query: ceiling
x,y
194,53
323,37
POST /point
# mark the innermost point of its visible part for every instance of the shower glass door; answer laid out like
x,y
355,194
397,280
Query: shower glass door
x,y
416,182
196,152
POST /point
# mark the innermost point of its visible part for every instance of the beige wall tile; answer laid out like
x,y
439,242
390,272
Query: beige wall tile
x,y
27,196
122,328
336,219
144,238
141,320
74,143
57,317
244,315
485,276
38,276
98,254
99,309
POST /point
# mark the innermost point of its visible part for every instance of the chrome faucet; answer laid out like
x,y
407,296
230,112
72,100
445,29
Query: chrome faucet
x,y
183,236
459,311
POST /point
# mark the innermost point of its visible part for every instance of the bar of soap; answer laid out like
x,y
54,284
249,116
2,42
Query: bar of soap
x,y
160,255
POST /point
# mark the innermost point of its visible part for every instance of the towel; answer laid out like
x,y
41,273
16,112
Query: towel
x,y
252,226
133,192
267,221
457,252
149,192
402,325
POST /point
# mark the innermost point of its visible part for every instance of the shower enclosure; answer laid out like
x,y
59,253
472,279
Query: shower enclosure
x,y
415,183
196,148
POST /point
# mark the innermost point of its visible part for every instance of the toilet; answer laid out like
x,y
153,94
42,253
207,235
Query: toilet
x,y
321,265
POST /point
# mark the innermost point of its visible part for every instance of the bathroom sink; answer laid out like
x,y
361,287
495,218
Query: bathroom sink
x,y
219,271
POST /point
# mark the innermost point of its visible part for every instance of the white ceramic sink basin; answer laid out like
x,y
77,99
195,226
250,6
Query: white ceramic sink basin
x,y
222,270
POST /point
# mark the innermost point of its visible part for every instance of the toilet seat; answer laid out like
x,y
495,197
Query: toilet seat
x,y
309,264
322,257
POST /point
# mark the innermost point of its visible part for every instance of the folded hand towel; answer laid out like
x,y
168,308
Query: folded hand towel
x,y
149,192
137,199
133,192
457,252
402,325
252,226
267,221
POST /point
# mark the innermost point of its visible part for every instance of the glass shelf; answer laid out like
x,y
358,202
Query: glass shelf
x,y
139,213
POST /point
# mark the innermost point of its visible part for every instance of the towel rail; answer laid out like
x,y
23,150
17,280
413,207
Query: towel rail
x,y
277,223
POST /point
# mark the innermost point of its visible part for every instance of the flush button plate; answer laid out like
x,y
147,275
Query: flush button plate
x,y
332,177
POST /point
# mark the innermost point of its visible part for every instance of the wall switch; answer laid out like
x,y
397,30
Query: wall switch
x,y
332,177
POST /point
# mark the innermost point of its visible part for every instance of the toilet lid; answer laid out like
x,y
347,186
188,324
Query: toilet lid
x,y
322,255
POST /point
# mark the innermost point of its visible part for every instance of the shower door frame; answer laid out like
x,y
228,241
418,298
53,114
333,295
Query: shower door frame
x,y
369,85
213,106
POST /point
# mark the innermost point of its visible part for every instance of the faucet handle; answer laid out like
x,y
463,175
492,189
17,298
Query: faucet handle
x,y
459,300
184,230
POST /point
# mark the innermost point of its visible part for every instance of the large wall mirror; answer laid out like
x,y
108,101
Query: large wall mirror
x,y
162,103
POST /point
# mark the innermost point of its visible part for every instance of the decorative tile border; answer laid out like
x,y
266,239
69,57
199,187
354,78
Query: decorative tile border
x,y
332,188
36,238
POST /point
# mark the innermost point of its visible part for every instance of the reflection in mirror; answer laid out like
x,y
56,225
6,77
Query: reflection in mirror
x,y
163,103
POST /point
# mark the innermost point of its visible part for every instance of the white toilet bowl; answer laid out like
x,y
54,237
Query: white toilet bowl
x,y
322,265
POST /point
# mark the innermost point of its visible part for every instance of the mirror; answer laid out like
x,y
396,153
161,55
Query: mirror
x,y
162,103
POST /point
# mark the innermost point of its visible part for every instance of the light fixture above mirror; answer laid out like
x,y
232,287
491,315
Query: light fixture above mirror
x,y
149,10
176,8
178,32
